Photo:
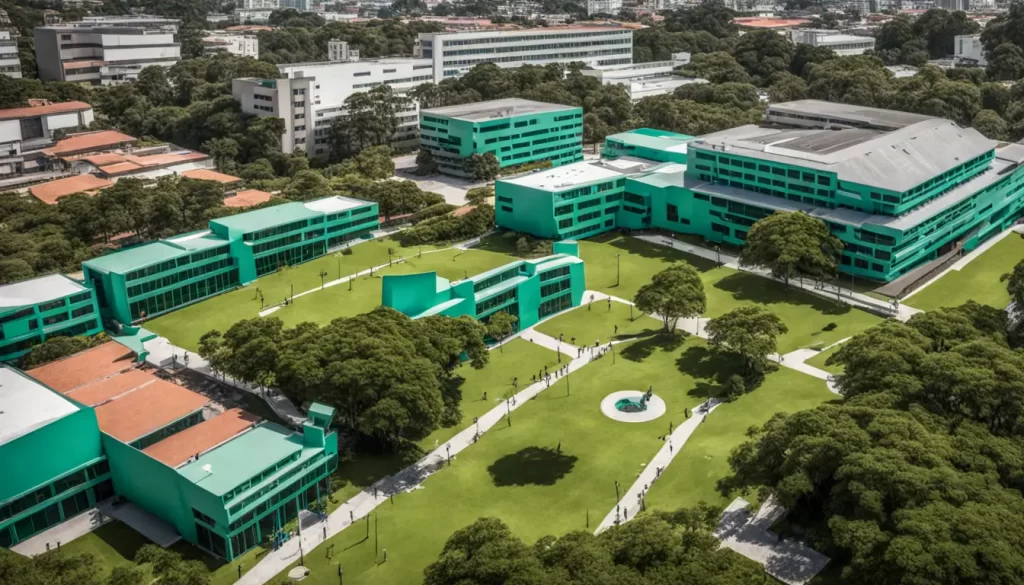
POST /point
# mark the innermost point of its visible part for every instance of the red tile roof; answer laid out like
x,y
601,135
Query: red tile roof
x,y
247,198
54,190
147,409
208,175
89,142
33,111
84,367
179,448
110,388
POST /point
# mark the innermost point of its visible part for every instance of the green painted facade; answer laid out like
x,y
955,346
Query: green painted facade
x,y
647,143
515,131
530,290
35,310
51,473
158,277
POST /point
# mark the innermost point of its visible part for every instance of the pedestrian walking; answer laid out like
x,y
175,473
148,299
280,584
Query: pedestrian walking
x,y
573,340
485,395
609,303
561,337
515,382
616,330
351,517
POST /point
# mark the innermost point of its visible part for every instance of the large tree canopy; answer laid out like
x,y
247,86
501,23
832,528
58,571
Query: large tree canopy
x,y
792,244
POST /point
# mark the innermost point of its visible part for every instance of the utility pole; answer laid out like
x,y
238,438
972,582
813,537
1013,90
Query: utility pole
x,y
617,269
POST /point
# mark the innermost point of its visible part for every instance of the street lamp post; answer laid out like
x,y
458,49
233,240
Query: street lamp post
x,y
617,269
341,578
718,252
616,490
323,274
448,448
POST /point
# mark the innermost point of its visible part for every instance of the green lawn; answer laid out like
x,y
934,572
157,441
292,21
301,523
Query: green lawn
x,y
704,459
806,315
818,361
545,474
978,281
185,326
597,323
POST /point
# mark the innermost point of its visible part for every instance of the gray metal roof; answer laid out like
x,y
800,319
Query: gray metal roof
x,y
495,109
896,161
855,115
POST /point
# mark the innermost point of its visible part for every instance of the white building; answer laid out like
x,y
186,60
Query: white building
x,y
258,5
24,132
953,5
453,54
230,42
300,5
968,50
253,14
340,51
612,7
634,72
10,63
309,95
105,50
841,44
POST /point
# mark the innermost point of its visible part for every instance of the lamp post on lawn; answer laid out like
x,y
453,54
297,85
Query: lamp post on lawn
x,y
341,578
323,274
617,269
389,256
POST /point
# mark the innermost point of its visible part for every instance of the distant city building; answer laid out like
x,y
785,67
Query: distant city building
x,y
238,44
968,50
645,79
841,44
10,62
105,50
216,17
515,131
954,4
24,132
259,5
340,51
612,7
300,5
253,14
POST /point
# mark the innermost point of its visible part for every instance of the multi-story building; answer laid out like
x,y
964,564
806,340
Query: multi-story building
x,y
300,5
158,277
968,50
575,201
953,5
238,44
222,479
32,311
841,44
635,72
612,7
10,62
43,485
455,53
259,4
530,290
308,97
516,131
899,190
105,50
340,51
25,132
648,144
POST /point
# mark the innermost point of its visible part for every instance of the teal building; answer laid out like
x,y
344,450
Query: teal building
x,y
649,144
154,278
516,131
31,311
530,290
899,190
53,462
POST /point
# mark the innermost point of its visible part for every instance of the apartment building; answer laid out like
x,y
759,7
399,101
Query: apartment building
x,y
25,132
233,43
455,53
612,7
10,62
841,44
105,50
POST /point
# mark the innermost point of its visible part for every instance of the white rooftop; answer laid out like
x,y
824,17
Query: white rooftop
x,y
580,173
333,204
37,290
27,405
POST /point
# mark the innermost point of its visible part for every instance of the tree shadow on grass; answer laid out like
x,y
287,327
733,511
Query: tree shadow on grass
x,y
751,287
122,538
531,466
630,245
651,342
709,370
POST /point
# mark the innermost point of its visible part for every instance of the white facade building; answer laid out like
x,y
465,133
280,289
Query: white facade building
x,y
105,50
10,63
612,7
340,51
234,43
645,79
953,5
25,131
453,54
259,4
968,50
841,44
253,14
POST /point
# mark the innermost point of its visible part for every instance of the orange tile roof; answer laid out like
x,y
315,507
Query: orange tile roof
x,y
153,160
249,27
755,22
208,175
120,168
108,158
33,111
89,142
54,190
147,409
106,389
247,198
179,448
84,367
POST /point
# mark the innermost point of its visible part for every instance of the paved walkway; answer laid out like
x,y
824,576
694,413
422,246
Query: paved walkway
x,y
63,533
829,291
787,560
632,501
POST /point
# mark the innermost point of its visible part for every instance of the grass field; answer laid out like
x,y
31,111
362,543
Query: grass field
x,y
978,281
818,361
185,326
597,323
555,465
692,476
806,315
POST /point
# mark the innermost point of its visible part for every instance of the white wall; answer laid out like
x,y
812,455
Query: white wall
x,y
10,131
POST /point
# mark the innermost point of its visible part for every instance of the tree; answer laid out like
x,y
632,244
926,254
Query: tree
x,y
717,67
991,124
307,186
478,195
674,293
1015,286
1006,62
500,325
371,119
483,167
55,348
594,129
763,53
749,332
792,244
425,163
224,152
786,87
373,163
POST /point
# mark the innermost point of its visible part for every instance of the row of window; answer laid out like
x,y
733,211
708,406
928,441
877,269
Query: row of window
x,y
173,299
496,279
68,482
180,276
546,57
177,263
533,47
496,301
289,257
555,287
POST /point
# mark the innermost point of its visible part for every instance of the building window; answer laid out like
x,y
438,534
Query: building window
x,y
672,212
